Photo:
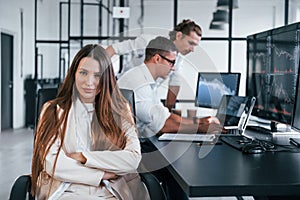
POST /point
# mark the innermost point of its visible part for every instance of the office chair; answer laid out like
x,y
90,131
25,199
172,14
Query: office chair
x,y
154,188
44,95
21,187
129,96
153,185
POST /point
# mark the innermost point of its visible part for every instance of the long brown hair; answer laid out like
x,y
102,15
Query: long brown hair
x,y
111,109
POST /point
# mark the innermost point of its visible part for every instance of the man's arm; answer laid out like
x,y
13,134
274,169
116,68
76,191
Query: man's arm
x,y
127,46
171,96
175,124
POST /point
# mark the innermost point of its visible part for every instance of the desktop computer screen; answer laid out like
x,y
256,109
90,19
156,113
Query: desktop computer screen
x,y
296,114
272,69
211,86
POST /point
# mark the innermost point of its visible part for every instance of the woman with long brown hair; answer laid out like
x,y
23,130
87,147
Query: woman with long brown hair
x,y
86,144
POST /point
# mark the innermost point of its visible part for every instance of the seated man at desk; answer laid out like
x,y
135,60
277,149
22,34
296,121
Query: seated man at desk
x,y
152,116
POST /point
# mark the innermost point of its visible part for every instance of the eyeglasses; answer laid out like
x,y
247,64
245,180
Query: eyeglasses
x,y
172,62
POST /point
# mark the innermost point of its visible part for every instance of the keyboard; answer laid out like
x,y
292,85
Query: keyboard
x,y
187,137
237,141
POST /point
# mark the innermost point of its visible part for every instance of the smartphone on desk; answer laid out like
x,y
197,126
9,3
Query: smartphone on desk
x,y
295,142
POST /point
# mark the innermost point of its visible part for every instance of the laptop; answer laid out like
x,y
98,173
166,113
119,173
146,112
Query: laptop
x,y
234,112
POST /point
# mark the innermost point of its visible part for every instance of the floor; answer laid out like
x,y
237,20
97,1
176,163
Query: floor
x,y
15,156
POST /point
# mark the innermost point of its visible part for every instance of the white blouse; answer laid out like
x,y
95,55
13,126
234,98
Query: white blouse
x,y
84,179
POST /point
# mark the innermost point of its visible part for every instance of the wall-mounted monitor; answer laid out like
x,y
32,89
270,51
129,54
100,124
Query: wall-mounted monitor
x,y
211,86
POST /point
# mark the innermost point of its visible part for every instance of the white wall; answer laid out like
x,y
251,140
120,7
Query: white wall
x,y
251,17
10,23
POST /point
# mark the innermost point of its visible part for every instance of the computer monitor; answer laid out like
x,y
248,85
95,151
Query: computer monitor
x,y
211,86
272,69
296,114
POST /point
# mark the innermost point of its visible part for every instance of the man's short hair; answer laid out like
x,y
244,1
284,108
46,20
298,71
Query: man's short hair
x,y
159,45
186,27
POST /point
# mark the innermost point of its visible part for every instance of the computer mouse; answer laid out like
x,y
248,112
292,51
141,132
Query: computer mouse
x,y
253,148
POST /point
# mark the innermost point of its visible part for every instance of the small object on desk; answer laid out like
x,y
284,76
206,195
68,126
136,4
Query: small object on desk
x,y
295,142
191,113
187,137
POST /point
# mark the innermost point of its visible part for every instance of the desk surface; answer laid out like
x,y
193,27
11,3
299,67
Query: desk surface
x,y
220,170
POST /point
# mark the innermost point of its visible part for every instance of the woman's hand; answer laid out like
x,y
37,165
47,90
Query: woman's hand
x,y
109,176
77,156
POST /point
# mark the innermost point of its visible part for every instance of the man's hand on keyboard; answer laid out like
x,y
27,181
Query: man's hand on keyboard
x,y
209,125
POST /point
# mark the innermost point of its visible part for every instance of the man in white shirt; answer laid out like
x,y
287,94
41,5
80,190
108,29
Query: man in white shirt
x,y
186,35
152,117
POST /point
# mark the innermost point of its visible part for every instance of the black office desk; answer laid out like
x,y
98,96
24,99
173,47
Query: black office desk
x,y
225,171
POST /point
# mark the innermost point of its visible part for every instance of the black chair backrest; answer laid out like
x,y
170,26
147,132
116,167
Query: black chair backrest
x,y
21,188
129,95
154,188
44,95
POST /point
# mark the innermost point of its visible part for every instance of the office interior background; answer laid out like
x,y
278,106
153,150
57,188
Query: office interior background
x,y
45,35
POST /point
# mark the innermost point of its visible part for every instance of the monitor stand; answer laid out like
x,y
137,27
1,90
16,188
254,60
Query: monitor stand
x,y
281,129
271,128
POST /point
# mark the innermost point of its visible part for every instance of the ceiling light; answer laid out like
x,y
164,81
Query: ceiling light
x,y
214,26
220,17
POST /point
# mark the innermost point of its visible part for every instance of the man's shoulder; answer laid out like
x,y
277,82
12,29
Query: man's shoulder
x,y
133,71
133,78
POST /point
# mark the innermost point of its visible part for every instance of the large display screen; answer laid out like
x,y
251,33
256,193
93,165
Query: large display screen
x,y
273,61
296,114
212,86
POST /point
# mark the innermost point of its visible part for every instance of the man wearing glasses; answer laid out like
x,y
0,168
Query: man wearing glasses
x,y
153,118
186,35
